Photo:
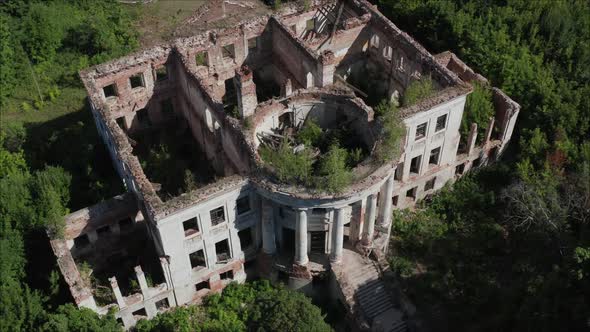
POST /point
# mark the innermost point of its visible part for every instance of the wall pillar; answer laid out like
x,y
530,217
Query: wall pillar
x,y
489,130
471,139
337,236
268,228
301,237
371,217
246,91
287,88
387,206
120,299
326,68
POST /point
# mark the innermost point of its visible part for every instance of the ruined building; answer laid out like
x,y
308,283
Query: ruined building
x,y
184,124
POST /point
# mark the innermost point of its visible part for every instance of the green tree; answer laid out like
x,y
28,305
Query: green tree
x,y
334,174
69,318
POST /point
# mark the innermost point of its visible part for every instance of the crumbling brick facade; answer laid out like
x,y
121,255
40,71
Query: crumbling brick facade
x,y
227,87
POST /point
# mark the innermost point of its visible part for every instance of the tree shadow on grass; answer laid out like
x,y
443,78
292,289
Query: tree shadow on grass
x,y
72,142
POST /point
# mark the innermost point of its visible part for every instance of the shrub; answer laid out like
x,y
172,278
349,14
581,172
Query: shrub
x,y
418,90
334,172
478,109
402,266
393,129
310,134
289,166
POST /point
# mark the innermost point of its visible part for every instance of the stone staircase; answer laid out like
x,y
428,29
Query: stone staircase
x,y
366,293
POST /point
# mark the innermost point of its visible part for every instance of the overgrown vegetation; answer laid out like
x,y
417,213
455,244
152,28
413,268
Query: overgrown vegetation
x,y
418,90
519,238
393,130
256,306
478,109
324,161
51,159
171,159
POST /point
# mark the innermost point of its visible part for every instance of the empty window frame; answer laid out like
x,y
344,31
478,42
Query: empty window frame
x,y
245,236
121,122
228,51
227,275
415,165
387,52
400,65
190,226
136,81
81,241
167,108
252,44
110,90
162,304
201,58
421,131
202,285
395,200
434,157
161,73
143,117
217,216
375,41
222,251
197,259
310,25
430,184
441,123
411,194
140,313
243,205
459,169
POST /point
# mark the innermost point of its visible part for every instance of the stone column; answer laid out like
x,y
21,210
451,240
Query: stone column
x,y
120,299
246,91
387,207
371,216
301,237
268,228
337,236
489,130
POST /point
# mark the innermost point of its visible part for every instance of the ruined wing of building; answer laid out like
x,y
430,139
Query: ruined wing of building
x,y
183,123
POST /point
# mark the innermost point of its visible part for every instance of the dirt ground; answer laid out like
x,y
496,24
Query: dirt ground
x,y
163,20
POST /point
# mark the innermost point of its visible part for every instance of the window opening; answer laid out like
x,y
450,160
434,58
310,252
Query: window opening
x,y
136,81
222,251
228,51
161,73
217,216
415,165
421,131
434,157
197,259
243,205
110,90
441,122
245,236
190,226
